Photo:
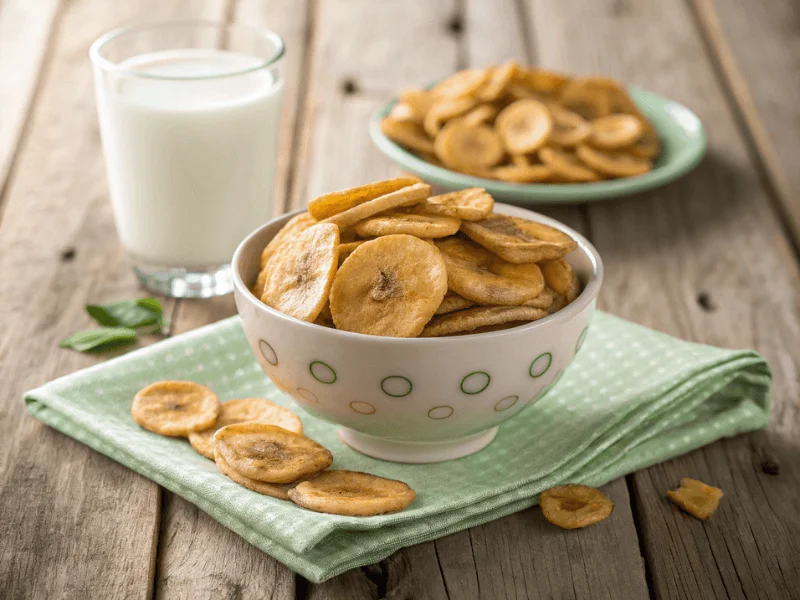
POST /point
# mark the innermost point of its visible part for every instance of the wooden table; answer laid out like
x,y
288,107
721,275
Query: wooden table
x,y
712,258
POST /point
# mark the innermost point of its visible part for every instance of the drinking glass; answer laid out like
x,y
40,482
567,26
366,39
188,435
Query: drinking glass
x,y
189,116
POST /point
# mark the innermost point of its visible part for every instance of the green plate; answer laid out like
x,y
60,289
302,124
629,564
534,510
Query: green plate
x,y
683,141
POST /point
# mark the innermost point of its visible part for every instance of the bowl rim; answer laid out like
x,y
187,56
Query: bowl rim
x,y
565,193
587,296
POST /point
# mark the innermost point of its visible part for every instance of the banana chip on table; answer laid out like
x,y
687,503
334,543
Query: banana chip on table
x,y
481,316
389,286
269,453
421,226
573,506
352,493
519,240
244,410
175,408
300,273
478,275
489,122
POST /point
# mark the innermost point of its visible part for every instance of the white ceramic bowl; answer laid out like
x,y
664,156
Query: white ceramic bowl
x,y
415,400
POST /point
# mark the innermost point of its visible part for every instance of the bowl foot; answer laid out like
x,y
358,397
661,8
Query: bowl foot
x,y
416,452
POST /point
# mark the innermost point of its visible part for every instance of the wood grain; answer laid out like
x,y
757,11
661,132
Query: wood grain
x,y
25,33
198,557
761,71
670,264
74,523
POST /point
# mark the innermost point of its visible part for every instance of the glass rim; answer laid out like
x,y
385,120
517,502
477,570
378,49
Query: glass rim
x,y
95,51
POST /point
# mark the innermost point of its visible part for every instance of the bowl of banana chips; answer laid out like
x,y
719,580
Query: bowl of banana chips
x,y
418,323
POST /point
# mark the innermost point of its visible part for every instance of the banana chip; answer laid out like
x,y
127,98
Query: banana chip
x,y
268,489
406,196
421,226
478,275
558,275
480,114
444,110
347,249
573,506
499,78
295,225
615,131
269,453
524,126
334,203
566,167
175,408
648,145
515,174
590,97
352,493
243,410
406,133
471,204
544,300
541,81
459,84
301,271
519,240
419,102
389,286
453,302
468,147
481,316
614,164
569,128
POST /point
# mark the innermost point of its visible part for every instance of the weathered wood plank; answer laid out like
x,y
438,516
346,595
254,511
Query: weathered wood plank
x,y
762,74
187,554
25,32
673,262
74,523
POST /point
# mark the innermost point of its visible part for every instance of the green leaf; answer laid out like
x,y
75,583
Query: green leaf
x,y
143,312
100,340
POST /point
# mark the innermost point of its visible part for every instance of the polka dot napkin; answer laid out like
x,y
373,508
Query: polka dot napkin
x,y
633,397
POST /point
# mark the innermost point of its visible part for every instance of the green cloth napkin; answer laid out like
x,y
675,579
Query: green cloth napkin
x,y
632,398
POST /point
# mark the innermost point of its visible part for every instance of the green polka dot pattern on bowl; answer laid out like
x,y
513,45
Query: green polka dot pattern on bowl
x,y
396,386
362,408
440,412
581,339
506,403
307,395
475,382
540,364
268,352
322,372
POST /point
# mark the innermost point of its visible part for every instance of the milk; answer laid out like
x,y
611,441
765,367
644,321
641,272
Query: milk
x,y
191,162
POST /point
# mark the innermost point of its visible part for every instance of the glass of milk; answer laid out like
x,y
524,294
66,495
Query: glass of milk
x,y
189,117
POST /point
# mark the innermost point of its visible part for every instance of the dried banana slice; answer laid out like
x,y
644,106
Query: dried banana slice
x,y
471,319
566,167
614,164
615,131
275,490
471,204
389,286
484,113
590,97
444,110
421,226
419,102
516,174
569,128
325,319
519,240
696,498
453,302
544,300
175,408
293,226
462,83
244,410
402,112
347,249
352,493
541,82
469,148
524,126
521,160
478,275
269,453
407,133
499,78
573,506
558,275
334,203
407,196
300,273
648,145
